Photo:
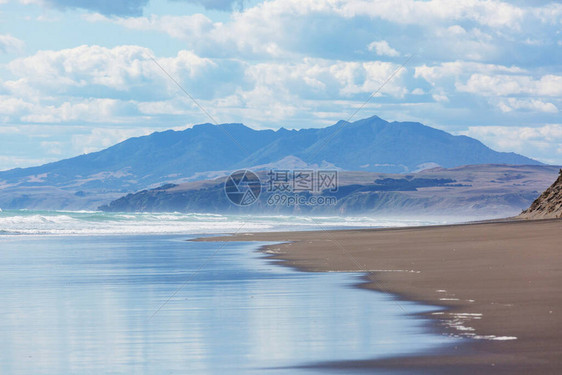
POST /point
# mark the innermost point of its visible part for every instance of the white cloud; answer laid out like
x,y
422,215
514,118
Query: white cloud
x,y
459,43
324,78
120,72
181,27
100,138
5,129
511,104
93,84
9,44
53,147
88,110
457,29
245,34
118,68
541,142
162,107
507,88
440,98
550,13
501,84
490,13
13,106
459,69
382,48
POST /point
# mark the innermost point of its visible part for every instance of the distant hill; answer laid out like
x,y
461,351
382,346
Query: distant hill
x,y
548,205
207,151
477,191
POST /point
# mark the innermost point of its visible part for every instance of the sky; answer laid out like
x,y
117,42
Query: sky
x,y
77,76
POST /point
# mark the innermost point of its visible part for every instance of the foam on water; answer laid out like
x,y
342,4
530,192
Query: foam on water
x,y
28,222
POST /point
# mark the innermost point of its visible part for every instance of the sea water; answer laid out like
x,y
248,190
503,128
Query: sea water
x,y
96,222
159,304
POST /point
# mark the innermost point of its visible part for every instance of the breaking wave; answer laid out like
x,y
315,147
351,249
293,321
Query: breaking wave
x,y
29,222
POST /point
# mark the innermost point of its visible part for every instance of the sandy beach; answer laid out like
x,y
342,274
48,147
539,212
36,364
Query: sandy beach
x,y
499,283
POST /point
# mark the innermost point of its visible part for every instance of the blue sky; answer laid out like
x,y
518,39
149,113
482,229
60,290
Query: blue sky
x,y
77,76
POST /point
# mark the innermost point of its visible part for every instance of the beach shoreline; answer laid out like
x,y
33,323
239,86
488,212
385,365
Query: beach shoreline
x,y
499,284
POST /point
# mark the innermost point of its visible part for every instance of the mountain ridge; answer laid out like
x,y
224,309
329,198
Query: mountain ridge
x,y
206,150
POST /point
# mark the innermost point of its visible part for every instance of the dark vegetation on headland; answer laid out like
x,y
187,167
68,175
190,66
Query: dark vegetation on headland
x,y
548,205
483,190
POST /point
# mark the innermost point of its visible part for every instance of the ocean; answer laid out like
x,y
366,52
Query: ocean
x,y
31,222
100,293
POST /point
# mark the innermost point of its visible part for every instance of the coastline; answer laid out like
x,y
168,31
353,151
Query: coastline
x,y
499,283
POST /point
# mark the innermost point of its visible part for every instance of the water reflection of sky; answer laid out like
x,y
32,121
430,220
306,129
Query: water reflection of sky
x,y
83,305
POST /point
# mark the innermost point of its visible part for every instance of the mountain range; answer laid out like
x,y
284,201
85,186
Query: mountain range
x,y
208,151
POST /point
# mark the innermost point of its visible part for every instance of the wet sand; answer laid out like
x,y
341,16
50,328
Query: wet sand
x,y
496,281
